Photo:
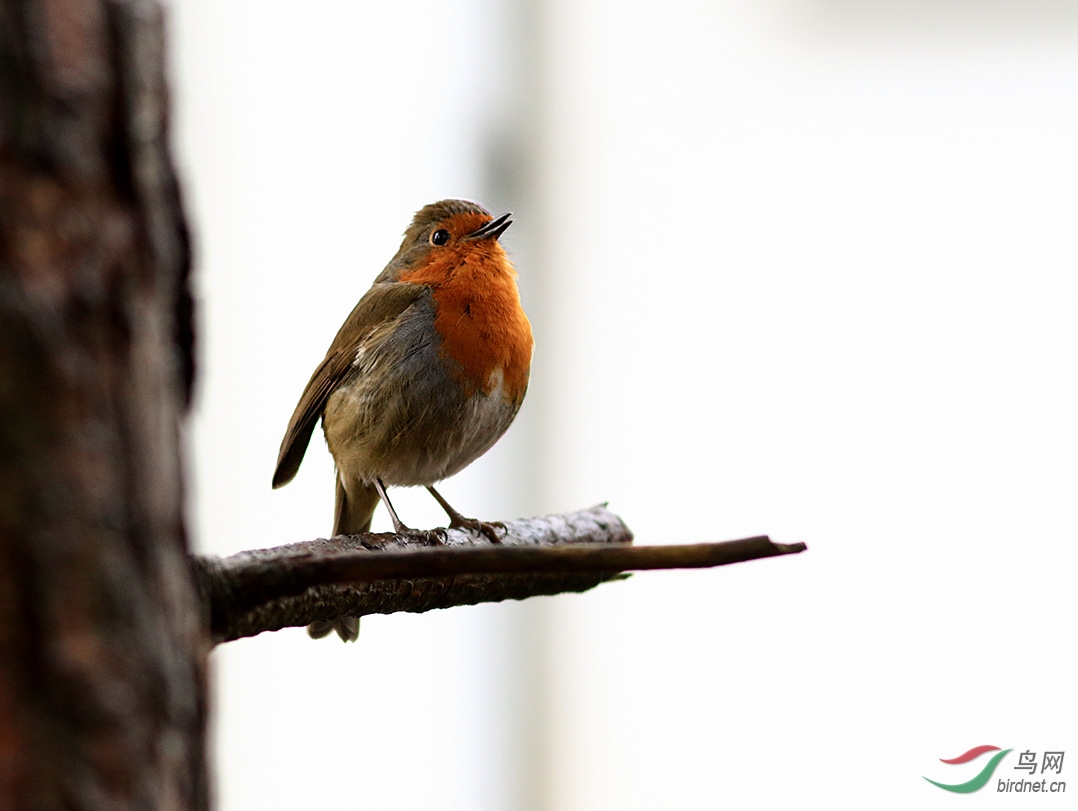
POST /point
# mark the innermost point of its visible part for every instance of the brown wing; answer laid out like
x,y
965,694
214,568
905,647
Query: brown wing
x,y
381,303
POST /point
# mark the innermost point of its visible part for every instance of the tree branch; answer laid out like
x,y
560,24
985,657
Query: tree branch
x,y
269,589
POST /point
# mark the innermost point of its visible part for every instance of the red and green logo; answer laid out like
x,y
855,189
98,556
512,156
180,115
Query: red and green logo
x,y
982,777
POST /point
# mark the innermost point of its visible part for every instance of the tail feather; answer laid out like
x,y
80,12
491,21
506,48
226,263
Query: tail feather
x,y
351,516
353,510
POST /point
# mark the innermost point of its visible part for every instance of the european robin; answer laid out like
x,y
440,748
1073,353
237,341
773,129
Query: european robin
x,y
426,374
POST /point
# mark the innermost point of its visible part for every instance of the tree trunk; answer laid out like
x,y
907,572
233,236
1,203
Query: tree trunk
x,y
102,652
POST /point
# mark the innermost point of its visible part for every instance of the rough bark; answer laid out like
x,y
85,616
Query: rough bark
x,y
101,653
288,586
293,585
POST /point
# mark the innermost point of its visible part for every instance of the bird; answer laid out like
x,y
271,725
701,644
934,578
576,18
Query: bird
x,y
427,372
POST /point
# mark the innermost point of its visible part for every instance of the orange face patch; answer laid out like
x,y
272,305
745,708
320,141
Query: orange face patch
x,y
479,316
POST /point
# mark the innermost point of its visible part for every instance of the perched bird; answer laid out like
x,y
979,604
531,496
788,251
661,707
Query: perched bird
x,y
425,375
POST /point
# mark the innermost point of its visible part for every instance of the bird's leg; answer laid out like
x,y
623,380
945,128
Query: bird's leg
x,y
458,521
398,526
435,535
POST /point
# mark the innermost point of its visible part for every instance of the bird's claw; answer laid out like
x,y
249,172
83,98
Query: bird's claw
x,y
437,536
490,530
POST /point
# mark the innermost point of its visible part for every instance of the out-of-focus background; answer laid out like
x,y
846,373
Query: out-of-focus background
x,y
800,268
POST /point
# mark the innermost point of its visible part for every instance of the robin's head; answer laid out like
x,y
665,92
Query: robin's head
x,y
450,233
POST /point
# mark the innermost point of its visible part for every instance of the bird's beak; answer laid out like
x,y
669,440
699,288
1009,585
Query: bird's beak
x,y
492,229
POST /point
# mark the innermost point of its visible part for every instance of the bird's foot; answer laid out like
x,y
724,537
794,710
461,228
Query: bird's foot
x,y
458,521
437,536
433,537
490,530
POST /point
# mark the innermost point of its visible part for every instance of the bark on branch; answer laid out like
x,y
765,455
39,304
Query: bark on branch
x,y
269,589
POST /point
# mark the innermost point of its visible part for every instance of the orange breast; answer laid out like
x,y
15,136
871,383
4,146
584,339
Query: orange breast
x,y
479,316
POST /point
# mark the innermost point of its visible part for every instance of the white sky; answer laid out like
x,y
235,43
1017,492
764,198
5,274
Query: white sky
x,y
797,268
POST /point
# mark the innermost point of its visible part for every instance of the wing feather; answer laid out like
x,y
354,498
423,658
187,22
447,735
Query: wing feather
x,y
383,302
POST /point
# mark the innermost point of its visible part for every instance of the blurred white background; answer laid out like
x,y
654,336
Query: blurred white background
x,y
798,268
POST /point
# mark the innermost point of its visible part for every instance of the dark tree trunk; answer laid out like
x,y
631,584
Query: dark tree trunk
x,y
102,655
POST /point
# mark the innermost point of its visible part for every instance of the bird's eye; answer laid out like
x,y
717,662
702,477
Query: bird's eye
x,y
439,237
